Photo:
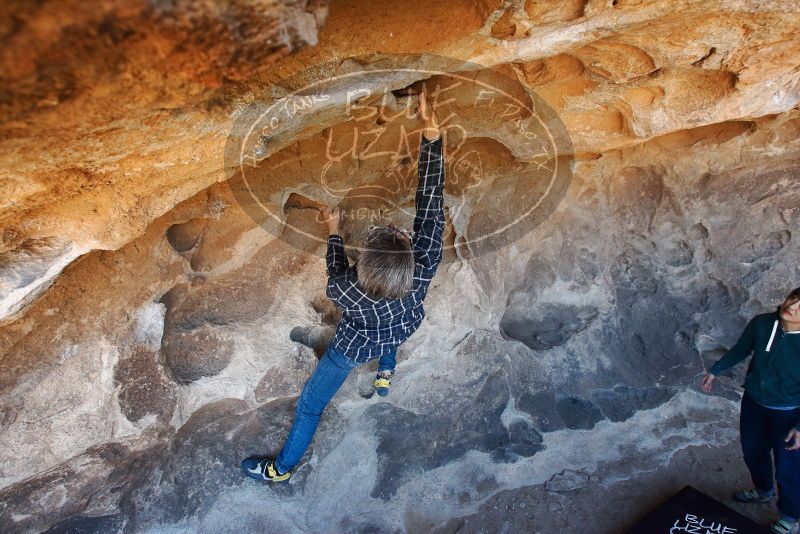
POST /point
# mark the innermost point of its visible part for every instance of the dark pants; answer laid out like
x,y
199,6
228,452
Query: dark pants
x,y
763,431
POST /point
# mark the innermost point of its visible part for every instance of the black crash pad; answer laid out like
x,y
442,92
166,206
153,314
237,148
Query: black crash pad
x,y
692,512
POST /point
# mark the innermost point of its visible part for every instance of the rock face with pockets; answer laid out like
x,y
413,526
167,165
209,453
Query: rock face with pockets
x,y
621,196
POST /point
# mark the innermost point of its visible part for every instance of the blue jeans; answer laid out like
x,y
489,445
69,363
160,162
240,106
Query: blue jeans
x,y
763,432
328,377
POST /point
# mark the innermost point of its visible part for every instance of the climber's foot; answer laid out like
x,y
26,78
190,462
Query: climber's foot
x,y
263,469
383,382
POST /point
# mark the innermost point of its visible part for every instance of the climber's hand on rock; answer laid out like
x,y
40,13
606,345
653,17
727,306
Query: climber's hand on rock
x,y
707,383
793,440
424,108
330,216
428,116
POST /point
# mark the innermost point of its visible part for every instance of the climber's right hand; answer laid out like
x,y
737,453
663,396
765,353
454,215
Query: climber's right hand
x,y
707,383
428,115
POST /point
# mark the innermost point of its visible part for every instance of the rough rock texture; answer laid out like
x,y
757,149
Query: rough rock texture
x,y
110,116
164,298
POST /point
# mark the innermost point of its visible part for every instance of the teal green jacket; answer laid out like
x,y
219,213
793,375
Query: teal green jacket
x,y
773,375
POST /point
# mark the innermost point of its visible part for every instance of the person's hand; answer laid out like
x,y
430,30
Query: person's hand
x,y
424,106
707,383
428,116
330,216
793,440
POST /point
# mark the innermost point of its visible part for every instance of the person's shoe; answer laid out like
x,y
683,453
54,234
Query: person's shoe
x,y
382,382
782,526
263,469
751,495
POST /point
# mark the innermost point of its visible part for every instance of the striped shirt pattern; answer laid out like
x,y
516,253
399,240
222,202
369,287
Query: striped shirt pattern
x,y
369,327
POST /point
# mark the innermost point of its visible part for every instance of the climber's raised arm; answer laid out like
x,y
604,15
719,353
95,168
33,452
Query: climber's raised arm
x,y
335,257
429,200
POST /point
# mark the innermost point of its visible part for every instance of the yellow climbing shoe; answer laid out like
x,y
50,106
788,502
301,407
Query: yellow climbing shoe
x,y
264,469
382,382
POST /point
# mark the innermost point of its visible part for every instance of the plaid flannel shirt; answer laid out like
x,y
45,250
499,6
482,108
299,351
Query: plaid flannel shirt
x,y
370,328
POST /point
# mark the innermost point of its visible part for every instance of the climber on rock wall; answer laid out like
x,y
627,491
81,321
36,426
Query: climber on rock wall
x,y
380,296
770,411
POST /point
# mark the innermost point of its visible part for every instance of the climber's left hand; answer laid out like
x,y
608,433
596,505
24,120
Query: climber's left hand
x,y
330,216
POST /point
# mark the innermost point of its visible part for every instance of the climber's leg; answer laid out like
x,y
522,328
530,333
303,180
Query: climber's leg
x,y
388,361
383,380
330,374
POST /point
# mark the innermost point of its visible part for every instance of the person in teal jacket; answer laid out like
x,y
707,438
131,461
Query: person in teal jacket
x,y
770,413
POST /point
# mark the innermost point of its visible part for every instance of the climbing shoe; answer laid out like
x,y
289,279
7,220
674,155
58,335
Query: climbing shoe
x,y
782,526
382,382
751,495
263,469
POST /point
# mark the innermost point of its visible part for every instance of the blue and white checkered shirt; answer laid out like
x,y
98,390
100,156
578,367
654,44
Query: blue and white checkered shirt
x,y
370,328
